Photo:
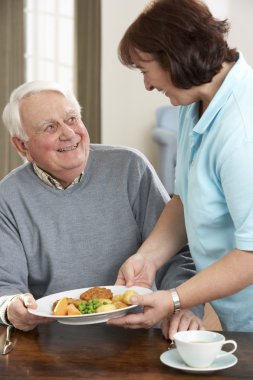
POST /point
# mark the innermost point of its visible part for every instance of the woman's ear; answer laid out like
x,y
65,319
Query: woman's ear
x,y
20,146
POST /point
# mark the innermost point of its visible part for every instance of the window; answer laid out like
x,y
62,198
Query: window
x,y
49,36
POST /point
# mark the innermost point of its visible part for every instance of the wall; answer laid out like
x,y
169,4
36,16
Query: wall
x,y
128,110
239,14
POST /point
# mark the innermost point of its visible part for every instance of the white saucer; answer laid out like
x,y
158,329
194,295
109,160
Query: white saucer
x,y
173,359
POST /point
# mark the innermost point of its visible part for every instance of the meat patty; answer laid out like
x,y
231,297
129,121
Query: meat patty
x,y
96,293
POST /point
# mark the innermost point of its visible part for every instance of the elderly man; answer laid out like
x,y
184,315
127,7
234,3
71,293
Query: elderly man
x,y
74,212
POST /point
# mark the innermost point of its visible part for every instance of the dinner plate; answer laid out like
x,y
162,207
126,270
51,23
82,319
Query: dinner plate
x,y
45,304
174,360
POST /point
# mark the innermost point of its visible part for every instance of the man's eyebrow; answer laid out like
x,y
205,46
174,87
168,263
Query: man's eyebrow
x,y
72,112
68,113
42,123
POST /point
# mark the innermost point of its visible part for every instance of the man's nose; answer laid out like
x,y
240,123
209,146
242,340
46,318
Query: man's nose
x,y
66,132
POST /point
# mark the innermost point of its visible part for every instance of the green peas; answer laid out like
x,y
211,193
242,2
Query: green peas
x,y
89,307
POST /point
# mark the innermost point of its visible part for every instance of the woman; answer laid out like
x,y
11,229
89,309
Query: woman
x,y
181,51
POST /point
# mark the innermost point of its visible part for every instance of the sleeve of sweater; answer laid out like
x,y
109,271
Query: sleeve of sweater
x,y
13,267
4,302
178,270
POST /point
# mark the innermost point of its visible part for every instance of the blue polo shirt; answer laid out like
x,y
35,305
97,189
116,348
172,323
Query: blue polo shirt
x,y
214,179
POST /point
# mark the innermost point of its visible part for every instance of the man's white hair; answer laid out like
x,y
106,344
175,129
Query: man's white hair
x,y
11,114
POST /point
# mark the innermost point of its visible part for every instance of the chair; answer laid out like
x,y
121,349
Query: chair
x,y
165,135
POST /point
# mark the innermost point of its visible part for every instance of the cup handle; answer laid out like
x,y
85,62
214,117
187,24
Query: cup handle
x,y
228,352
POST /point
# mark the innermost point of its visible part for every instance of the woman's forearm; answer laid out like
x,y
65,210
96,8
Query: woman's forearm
x,y
168,236
227,276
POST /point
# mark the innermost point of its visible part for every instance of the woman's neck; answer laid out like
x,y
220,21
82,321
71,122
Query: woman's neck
x,y
208,90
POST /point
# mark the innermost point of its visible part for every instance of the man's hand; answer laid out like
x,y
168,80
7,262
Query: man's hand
x,y
19,316
138,271
180,321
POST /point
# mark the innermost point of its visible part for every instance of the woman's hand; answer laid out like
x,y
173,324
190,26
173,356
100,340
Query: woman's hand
x,y
157,306
19,316
138,271
180,321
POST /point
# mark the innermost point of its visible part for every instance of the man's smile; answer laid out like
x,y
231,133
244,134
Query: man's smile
x,y
68,148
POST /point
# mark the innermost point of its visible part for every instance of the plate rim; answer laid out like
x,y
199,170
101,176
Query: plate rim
x,y
88,317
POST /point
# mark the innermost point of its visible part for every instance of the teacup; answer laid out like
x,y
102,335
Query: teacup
x,y
199,348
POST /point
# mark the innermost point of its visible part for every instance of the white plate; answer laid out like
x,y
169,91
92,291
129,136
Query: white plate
x,y
45,304
173,359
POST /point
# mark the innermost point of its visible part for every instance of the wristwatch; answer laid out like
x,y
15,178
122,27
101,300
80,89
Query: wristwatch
x,y
175,299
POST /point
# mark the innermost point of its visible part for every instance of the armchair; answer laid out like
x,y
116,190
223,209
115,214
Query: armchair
x,y
165,135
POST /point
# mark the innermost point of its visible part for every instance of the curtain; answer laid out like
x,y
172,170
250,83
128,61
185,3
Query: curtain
x,y
11,72
87,63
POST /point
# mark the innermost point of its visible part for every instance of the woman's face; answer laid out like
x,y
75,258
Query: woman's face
x,y
156,77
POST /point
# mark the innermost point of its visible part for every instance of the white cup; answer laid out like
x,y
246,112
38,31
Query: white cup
x,y
200,348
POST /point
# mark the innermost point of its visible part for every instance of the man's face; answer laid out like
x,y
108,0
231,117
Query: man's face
x,y
58,140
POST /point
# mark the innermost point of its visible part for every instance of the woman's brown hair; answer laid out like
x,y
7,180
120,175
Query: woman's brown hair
x,y
183,36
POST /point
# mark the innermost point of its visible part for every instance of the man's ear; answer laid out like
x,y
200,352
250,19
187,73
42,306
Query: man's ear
x,y
20,146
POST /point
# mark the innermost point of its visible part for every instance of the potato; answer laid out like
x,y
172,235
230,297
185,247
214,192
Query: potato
x,y
61,307
127,295
75,301
104,301
72,310
105,308
117,297
120,305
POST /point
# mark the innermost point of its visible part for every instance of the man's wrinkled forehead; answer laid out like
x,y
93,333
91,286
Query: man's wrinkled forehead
x,y
44,105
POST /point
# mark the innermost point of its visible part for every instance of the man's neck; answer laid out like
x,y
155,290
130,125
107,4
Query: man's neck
x,y
54,182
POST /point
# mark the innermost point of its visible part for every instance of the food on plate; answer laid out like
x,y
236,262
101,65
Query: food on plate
x,y
89,307
96,293
105,308
103,302
117,297
74,301
127,296
120,305
73,310
61,307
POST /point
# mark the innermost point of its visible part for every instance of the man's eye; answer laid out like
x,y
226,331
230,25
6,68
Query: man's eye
x,y
50,128
72,120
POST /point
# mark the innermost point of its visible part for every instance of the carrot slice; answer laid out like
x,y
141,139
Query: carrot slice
x,y
61,307
72,310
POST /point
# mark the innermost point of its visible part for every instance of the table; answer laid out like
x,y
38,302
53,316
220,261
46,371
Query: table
x,y
56,351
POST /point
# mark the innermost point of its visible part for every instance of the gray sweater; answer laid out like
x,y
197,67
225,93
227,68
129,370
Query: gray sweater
x,y
53,240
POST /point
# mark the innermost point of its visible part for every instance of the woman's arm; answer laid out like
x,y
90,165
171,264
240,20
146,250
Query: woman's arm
x,y
227,276
169,235
166,239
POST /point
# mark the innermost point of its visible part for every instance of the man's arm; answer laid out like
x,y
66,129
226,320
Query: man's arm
x,y
4,302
